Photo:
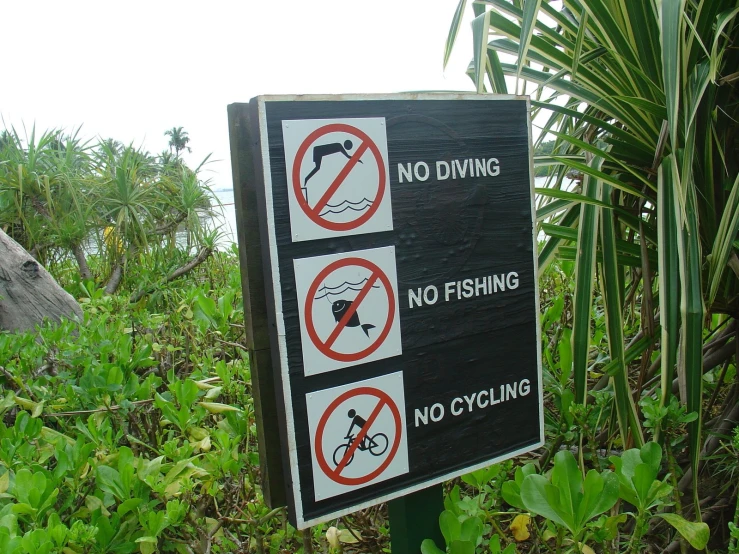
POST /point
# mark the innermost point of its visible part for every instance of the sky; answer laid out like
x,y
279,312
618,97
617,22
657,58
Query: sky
x,y
131,70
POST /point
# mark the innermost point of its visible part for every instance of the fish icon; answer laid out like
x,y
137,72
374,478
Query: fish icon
x,y
340,307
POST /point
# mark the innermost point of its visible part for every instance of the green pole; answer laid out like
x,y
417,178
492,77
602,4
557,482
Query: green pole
x,y
415,517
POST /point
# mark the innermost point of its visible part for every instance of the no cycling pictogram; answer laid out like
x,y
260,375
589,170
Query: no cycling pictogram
x,y
326,346
348,450
314,212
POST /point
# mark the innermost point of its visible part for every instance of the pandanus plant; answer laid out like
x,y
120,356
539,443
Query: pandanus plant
x,y
642,99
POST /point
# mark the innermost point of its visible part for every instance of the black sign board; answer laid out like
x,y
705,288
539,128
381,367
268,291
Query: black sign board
x,y
397,299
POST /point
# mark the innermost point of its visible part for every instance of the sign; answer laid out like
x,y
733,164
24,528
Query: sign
x,y
338,177
357,434
398,256
348,309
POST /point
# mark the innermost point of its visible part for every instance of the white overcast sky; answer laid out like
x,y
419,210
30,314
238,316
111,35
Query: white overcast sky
x,y
131,70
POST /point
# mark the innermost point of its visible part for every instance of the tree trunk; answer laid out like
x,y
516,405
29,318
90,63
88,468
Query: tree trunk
x,y
79,255
177,273
28,293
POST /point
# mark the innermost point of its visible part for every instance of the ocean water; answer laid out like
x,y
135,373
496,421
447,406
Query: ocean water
x,y
225,218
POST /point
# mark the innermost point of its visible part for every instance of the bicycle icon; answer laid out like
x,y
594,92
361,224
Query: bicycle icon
x,y
376,444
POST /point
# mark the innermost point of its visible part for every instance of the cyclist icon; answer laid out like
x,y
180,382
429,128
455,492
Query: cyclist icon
x,y
376,444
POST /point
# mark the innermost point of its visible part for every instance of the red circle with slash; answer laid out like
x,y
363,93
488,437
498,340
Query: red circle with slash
x,y
325,347
335,473
365,144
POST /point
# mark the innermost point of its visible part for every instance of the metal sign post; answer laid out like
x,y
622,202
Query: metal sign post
x,y
389,259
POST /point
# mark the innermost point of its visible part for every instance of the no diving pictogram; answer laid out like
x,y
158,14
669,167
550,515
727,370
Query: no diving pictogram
x,y
316,212
337,177
371,441
346,312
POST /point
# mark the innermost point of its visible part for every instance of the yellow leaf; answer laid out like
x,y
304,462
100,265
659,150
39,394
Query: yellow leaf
x,y
4,482
197,433
586,549
218,408
520,527
347,537
38,409
332,536
202,445
24,403
93,503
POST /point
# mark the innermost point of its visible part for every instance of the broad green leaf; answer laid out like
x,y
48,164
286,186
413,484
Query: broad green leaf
x,y
471,530
429,547
607,497
109,480
128,505
450,526
534,497
697,534
462,547
651,454
567,478
643,479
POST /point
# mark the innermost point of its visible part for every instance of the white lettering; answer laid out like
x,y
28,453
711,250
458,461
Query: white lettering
x,y
470,401
404,172
481,286
479,396
430,294
414,297
439,166
461,169
524,387
480,167
512,280
469,290
439,410
422,417
448,288
499,282
454,402
493,171
417,173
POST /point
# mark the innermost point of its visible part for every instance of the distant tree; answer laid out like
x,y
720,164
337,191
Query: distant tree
x,y
166,158
178,140
543,149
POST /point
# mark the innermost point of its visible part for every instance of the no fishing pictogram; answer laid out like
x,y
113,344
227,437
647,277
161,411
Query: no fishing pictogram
x,y
337,177
348,309
357,434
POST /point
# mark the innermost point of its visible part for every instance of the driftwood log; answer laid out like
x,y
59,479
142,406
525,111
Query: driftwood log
x,y
28,293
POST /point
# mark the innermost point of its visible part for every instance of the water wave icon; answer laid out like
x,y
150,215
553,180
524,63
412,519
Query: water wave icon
x,y
342,288
360,206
